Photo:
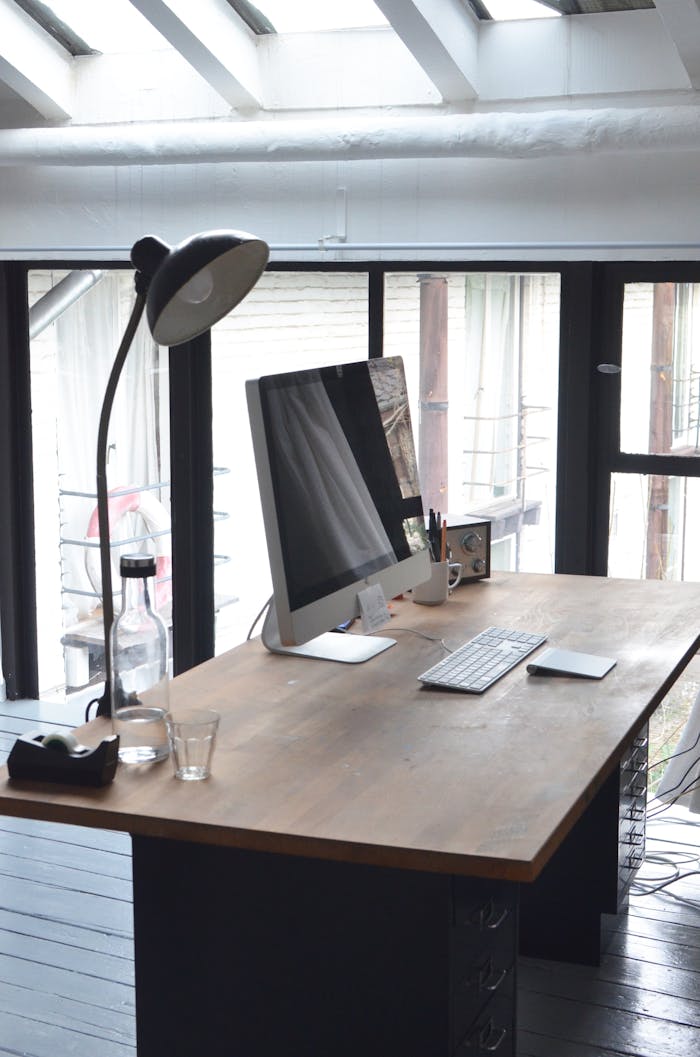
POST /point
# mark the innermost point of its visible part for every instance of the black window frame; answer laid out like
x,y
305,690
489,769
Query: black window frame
x,y
578,494
608,459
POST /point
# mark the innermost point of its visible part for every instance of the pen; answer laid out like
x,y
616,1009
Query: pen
x,y
443,542
432,534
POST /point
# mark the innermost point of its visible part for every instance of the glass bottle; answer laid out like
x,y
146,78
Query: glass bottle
x,y
140,690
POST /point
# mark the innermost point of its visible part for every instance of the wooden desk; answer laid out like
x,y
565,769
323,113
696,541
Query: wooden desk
x,y
340,885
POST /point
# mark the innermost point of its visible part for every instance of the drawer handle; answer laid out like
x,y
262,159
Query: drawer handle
x,y
490,917
490,979
486,978
489,1038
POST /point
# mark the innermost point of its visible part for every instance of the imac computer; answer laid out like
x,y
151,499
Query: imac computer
x,y
341,501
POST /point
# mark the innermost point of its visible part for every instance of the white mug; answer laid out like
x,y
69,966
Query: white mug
x,y
444,576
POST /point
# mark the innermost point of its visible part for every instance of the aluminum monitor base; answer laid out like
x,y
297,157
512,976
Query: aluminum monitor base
x,y
331,646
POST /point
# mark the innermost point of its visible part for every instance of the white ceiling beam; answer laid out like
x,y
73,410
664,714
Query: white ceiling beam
x,y
681,19
34,65
443,39
214,42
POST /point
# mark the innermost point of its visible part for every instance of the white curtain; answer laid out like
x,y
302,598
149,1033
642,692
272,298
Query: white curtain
x,y
683,770
491,423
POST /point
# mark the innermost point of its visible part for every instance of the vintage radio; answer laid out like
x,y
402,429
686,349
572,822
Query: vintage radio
x,y
469,542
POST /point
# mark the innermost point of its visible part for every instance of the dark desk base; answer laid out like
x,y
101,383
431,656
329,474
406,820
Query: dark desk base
x,y
590,873
244,954
247,954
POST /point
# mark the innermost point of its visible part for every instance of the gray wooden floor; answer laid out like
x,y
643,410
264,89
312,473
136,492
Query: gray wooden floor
x,y
644,998
66,935
66,954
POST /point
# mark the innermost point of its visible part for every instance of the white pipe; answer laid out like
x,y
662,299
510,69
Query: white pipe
x,y
473,247
494,135
60,297
119,253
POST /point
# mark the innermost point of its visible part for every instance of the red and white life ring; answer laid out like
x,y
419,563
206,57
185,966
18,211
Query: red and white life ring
x,y
122,501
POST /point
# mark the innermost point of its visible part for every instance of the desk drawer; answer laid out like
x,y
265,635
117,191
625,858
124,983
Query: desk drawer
x,y
483,954
476,950
484,907
632,816
493,1032
490,984
485,926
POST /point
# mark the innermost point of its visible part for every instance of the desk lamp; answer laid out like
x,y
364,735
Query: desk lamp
x,y
185,289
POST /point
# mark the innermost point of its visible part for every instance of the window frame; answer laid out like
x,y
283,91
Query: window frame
x,y
579,500
607,393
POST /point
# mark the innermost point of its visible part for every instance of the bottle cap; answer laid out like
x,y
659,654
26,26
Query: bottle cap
x,y
137,565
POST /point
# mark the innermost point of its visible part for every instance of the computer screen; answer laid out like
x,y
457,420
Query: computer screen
x,y
340,497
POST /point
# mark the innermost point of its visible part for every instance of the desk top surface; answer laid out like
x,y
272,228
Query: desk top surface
x,y
361,763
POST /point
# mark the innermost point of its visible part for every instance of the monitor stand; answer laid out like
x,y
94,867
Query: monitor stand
x,y
331,646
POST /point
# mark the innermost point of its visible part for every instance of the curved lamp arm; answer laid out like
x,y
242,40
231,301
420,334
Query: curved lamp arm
x,y
104,703
185,290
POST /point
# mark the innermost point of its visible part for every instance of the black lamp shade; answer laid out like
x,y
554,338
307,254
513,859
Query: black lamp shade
x,y
196,283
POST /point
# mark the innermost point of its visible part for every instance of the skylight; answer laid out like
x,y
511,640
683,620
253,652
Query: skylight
x,y
509,10
299,16
106,26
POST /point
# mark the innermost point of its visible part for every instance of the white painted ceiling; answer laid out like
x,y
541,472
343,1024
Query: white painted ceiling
x,y
173,61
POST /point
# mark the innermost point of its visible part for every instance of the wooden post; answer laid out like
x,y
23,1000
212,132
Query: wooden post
x,y
432,430
660,426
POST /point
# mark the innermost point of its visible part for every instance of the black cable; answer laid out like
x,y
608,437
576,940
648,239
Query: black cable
x,y
664,806
421,635
675,755
95,701
643,890
253,625
678,785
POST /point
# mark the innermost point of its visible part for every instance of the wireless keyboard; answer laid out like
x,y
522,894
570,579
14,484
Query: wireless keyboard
x,y
475,665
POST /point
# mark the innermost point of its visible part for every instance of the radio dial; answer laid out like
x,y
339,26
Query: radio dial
x,y
471,541
479,565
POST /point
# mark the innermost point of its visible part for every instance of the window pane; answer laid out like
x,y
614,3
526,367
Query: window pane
x,y
303,16
481,353
660,378
71,357
654,526
654,519
290,321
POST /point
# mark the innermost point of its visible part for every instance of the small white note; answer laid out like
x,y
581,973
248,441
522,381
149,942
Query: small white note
x,y
373,608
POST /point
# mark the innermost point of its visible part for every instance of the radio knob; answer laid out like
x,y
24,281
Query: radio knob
x,y
479,565
471,541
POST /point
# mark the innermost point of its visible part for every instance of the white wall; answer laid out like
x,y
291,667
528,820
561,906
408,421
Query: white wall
x,y
634,198
538,200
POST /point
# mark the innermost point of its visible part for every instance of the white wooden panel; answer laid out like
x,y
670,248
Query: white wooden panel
x,y
355,68
600,55
33,65
442,36
681,19
214,41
